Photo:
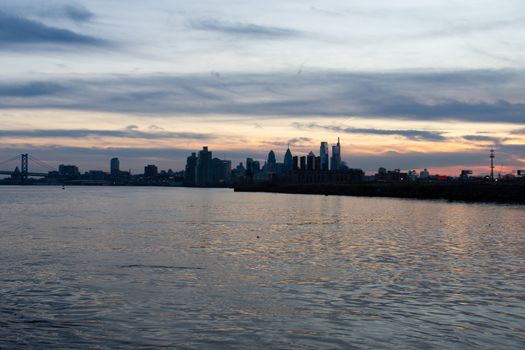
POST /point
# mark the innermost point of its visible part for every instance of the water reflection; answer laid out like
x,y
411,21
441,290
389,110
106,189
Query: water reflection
x,y
114,267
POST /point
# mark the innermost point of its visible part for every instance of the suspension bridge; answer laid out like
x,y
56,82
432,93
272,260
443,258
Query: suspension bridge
x,y
21,169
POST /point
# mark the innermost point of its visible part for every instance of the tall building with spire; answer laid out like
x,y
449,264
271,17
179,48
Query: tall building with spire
x,y
323,153
271,163
288,160
335,161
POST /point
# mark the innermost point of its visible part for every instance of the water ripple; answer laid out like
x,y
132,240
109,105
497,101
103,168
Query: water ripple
x,y
192,269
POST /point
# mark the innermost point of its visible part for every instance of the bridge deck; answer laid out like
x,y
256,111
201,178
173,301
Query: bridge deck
x,y
28,174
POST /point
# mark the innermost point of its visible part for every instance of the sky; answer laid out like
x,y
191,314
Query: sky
x,y
406,84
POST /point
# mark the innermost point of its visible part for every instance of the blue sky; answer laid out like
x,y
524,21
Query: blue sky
x,y
408,84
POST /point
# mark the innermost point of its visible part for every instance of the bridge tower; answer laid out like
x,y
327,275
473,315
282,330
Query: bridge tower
x,y
24,169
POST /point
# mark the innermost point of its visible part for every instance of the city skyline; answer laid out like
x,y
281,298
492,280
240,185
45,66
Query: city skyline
x,y
413,85
328,160
201,168
278,174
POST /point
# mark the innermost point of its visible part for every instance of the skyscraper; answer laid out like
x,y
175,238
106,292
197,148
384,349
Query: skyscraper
x,y
190,174
295,163
335,161
302,162
310,161
114,167
271,163
249,165
288,160
220,171
204,167
323,153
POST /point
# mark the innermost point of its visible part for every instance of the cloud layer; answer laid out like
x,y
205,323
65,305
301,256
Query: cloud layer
x,y
130,133
473,96
416,135
16,30
239,29
399,72
77,13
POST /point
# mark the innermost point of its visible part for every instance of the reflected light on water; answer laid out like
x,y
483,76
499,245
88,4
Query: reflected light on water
x,y
209,268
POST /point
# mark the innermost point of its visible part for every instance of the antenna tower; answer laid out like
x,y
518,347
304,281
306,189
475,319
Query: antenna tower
x,y
492,156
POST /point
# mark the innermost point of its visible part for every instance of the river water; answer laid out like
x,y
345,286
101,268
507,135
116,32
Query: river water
x,y
108,267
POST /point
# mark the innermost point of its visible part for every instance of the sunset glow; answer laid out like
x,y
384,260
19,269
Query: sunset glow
x,y
422,84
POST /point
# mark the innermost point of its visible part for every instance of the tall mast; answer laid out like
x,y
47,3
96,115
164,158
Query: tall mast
x,y
492,156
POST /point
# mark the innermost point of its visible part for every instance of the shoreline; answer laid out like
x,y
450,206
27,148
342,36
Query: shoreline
x,y
509,193
497,192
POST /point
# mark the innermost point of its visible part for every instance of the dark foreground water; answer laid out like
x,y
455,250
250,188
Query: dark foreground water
x,y
184,268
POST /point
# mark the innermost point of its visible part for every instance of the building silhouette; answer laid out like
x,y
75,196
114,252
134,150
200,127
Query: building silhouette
x,y
271,163
69,171
310,161
190,173
335,161
302,163
288,161
151,171
220,171
323,154
203,170
253,166
114,166
204,167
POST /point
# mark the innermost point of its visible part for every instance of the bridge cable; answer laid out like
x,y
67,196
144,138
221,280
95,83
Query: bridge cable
x,y
42,163
10,160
